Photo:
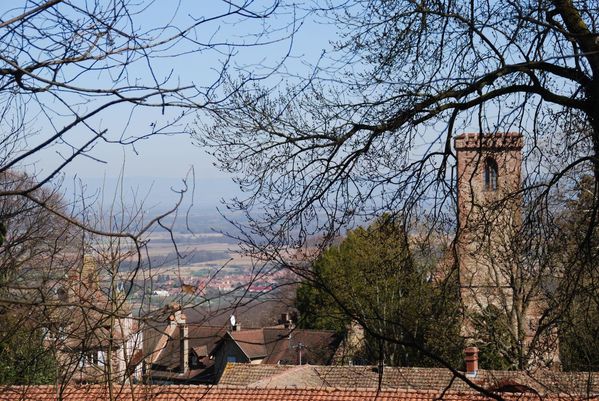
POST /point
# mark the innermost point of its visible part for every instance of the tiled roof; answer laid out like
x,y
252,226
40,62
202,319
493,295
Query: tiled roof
x,y
368,376
297,377
165,354
200,351
192,376
279,345
239,374
251,342
284,345
270,376
436,379
199,336
223,393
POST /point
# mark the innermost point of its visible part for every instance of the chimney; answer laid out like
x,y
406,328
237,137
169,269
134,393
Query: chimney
x,y
286,320
299,348
89,272
175,316
471,361
236,327
183,344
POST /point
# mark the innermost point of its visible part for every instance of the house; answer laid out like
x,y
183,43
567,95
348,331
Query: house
x,y
93,332
180,352
278,345
259,382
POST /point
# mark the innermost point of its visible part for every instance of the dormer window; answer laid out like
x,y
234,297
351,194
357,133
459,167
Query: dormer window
x,y
491,173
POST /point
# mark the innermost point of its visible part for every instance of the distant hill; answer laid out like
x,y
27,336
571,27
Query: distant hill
x,y
158,194
160,191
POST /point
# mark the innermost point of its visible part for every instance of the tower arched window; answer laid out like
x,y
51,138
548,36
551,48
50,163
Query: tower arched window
x,y
491,173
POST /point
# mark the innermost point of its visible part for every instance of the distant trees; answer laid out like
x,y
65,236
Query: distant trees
x,y
38,245
498,347
579,334
373,277
38,250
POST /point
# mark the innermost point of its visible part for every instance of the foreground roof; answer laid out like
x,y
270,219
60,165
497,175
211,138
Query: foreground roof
x,y
434,379
223,393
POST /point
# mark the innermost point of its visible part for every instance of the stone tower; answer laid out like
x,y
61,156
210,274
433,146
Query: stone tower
x,y
488,174
489,208
492,276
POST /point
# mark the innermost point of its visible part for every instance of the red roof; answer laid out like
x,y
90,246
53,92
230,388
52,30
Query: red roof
x,y
220,393
408,378
202,339
279,345
251,342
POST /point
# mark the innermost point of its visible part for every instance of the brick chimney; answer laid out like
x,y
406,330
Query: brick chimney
x,y
183,344
471,361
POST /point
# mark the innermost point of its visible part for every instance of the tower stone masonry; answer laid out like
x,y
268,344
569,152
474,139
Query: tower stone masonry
x,y
489,244
489,221
489,207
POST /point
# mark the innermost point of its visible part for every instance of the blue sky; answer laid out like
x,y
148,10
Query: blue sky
x,y
165,160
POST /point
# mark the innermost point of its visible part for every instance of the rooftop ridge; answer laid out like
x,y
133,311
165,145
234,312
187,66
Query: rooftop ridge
x,y
296,329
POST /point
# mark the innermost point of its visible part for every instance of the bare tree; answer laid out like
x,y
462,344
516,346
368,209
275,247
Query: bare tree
x,y
68,67
371,129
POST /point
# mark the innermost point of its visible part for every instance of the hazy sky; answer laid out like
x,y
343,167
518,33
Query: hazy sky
x,y
173,156
166,160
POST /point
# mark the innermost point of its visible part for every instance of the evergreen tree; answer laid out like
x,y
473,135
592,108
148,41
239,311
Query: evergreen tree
x,y
578,289
24,360
372,277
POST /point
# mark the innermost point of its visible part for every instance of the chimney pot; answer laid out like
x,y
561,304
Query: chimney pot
x,y
471,361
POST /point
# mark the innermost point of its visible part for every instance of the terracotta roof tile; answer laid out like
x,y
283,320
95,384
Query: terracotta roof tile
x,y
303,376
200,351
243,374
223,393
436,379
280,345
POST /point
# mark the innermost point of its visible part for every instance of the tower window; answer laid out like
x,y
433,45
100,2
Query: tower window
x,y
491,174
